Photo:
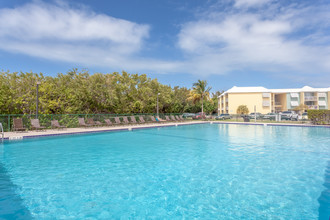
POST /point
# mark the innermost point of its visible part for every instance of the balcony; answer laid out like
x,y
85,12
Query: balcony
x,y
265,95
294,95
278,104
322,95
265,103
322,103
310,98
294,103
312,106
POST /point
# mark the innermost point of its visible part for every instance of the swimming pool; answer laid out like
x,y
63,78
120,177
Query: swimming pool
x,y
207,171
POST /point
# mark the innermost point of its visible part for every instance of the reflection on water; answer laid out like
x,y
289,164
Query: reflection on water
x,y
244,137
292,143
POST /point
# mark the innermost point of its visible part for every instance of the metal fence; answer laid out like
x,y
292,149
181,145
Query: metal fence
x,y
71,120
68,120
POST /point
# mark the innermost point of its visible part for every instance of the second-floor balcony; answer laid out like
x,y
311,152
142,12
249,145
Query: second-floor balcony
x,y
294,95
294,103
310,98
266,103
312,106
266,95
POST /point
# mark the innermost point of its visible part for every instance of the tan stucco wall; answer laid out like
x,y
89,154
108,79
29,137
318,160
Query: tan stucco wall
x,y
302,98
282,100
248,99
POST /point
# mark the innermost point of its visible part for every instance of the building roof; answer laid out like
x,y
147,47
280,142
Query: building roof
x,y
259,89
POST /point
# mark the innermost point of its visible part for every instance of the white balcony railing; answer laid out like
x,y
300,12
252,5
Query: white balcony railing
x,y
294,103
310,98
322,95
265,95
265,103
322,103
294,95
312,106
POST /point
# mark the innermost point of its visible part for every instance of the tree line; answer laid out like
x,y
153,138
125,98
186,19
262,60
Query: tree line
x,y
79,92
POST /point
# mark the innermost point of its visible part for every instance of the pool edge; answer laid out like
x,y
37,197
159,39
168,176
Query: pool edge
x,y
112,129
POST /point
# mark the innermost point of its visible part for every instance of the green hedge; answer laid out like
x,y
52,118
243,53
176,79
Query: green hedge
x,y
319,117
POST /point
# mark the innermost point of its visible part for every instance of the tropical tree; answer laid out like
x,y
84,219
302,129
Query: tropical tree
x,y
301,107
242,110
201,90
79,92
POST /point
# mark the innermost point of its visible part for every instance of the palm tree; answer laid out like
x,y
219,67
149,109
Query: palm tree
x,y
301,108
201,90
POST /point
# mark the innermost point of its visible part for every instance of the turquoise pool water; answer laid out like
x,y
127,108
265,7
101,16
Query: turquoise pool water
x,y
199,171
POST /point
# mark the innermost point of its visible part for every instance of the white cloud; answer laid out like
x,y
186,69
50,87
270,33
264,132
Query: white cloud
x,y
250,3
271,38
56,31
270,42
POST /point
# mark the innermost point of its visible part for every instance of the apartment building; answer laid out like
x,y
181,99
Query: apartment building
x,y
273,100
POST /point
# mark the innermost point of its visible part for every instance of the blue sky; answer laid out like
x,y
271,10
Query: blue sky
x,y
271,43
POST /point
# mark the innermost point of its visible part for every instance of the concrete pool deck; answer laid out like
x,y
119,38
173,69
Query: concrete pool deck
x,y
88,130
71,131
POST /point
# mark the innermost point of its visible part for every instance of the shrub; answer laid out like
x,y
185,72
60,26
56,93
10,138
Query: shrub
x,y
319,117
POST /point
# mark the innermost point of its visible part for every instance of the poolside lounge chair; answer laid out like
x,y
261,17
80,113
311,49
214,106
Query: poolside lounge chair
x,y
181,117
125,120
178,118
36,125
82,123
167,118
117,121
133,120
160,120
18,125
141,120
173,118
55,124
108,122
91,121
99,123
153,119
